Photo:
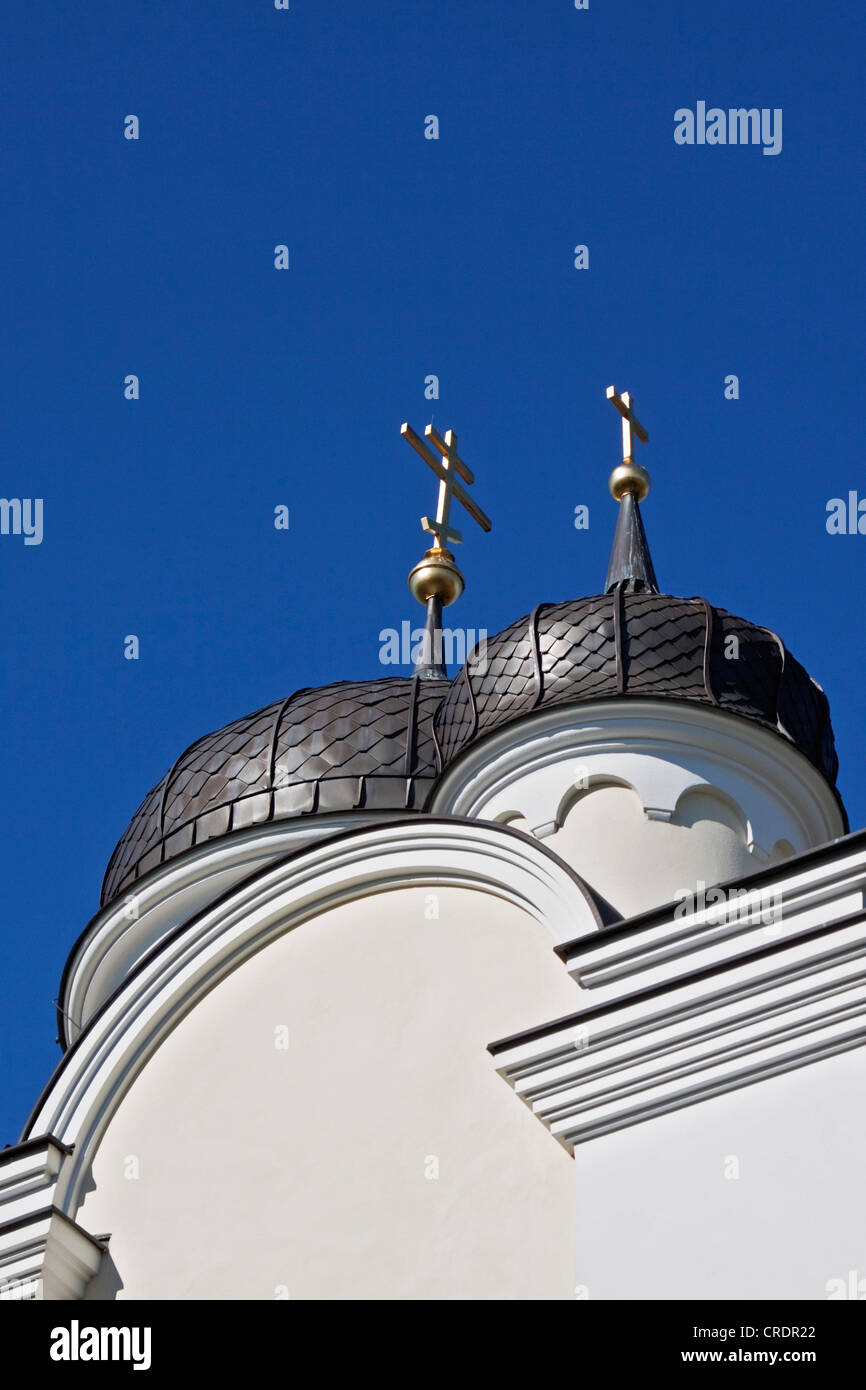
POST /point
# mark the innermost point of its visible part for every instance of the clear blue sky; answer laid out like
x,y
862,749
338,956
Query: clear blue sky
x,y
408,257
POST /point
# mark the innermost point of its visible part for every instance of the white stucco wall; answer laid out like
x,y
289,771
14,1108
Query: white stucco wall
x,y
661,1215
305,1169
636,863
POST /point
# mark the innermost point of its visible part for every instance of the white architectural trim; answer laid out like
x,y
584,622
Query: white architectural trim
x,y
683,1009
43,1255
49,1258
532,768
167,983
28,1173
778,907
144,914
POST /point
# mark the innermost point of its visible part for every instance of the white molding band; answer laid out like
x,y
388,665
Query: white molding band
x,y
49,1258
780,906
148,910
28,1174
684,1009
43,1254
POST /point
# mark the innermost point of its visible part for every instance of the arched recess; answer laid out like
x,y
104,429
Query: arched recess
x,y
594,783
101,1066
710,803
515,820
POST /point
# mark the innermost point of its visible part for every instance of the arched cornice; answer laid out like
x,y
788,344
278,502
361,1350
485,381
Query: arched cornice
x,y
165,985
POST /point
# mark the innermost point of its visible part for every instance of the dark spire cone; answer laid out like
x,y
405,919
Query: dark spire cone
x,y
630,563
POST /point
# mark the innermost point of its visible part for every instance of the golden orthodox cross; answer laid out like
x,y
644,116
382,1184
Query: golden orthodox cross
x,y
446,467
629,422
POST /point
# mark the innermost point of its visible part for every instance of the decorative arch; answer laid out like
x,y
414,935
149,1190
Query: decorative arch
x,y
595,782
728,810
165,985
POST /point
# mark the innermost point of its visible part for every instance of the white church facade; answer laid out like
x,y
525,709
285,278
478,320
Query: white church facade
x,y
547,981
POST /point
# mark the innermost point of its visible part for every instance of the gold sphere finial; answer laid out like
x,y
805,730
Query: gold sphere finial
x,y
629,476
436,576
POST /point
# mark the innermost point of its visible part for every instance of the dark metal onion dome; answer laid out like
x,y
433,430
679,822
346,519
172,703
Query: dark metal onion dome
x,y
380,744
645,644
633,641
349,746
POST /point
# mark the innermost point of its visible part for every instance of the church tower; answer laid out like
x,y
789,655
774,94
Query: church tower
x,y
421,987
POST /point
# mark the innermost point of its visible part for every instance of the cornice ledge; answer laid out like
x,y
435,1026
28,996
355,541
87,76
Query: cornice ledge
x,y
47,1257
43,1254
689,1010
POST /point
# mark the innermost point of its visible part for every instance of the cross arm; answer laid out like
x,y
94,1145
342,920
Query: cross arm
x,y
623,405
442,473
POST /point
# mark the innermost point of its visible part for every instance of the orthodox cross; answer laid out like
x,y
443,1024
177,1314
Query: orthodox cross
x,y
629,422
446,467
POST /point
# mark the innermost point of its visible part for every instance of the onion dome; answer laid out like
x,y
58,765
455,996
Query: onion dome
x,y
349,746
621,645
353,746
634,641
379,745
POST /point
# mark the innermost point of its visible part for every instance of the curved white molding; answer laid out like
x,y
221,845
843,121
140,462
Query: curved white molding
x,y
661,750
167,983
144,914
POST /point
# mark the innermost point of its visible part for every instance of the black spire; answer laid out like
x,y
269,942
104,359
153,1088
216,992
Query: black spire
x,y
630,564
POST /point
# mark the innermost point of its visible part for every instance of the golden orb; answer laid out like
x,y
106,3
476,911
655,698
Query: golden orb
x,y
436,576
629,477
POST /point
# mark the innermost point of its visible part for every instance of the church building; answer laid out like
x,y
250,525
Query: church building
x,y
544,980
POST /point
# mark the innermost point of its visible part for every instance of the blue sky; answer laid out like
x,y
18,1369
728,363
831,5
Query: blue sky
x,y
408,257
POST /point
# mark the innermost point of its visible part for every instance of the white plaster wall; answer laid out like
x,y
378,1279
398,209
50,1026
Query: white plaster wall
x,y
658,1218
636,863
304,1168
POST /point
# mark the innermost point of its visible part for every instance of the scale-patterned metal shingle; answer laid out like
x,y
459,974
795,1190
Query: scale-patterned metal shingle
x,y
349,746
637,644
380,744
